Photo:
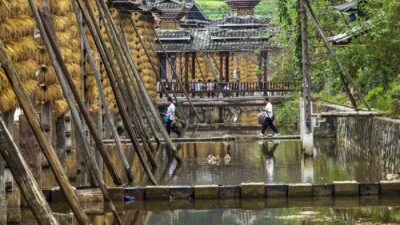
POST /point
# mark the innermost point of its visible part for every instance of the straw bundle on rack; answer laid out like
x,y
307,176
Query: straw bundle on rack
x,y
16,30
67,32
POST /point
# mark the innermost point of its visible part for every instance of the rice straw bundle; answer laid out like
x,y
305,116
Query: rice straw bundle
x,y
61,7
22,49
60,108
26,69
14,28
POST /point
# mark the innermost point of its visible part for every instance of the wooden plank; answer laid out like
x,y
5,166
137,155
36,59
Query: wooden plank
x,y
25,179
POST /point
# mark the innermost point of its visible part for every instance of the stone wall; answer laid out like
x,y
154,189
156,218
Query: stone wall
x,y
375,138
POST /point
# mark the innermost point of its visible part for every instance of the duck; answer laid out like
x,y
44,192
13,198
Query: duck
x,y
227,159
211,159
392,176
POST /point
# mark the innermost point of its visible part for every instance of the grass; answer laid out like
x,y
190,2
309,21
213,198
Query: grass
x,y
217,9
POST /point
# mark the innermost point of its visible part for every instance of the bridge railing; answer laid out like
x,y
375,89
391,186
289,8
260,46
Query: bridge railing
x,y
228,87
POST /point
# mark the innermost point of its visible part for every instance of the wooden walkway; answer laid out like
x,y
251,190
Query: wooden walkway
x,y
218,138
232,101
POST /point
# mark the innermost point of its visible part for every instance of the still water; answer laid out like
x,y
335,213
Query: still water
x,y
232,163
269,162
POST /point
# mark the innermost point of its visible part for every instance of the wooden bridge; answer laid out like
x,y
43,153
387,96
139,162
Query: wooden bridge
x,y
227,89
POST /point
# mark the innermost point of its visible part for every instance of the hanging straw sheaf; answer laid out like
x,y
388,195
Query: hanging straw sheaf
x,y
22,49
61,7
7,98
26,69
14,28
49,93
60,108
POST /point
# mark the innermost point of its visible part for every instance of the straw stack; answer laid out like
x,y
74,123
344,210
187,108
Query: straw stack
x,y
67,31
16,31
140,59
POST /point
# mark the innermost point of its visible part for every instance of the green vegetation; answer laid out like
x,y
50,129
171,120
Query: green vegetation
x,y
371,57
217,9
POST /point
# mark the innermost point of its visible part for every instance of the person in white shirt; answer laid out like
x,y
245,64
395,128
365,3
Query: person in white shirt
x,y
171,118
269,118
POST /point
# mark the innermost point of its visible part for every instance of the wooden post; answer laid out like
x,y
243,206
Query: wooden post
x,y
265,70
187,71
33,119
193,65
221,66
25,180
227,67
60,141
30,148
3,200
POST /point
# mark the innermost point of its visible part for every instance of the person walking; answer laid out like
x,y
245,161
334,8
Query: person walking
x,y
171,118
269,119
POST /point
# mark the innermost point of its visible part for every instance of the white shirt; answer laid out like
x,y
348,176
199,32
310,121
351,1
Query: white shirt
x,y
268,109
171,111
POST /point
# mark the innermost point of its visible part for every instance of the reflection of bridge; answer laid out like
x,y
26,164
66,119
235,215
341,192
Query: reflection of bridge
x,y
228,89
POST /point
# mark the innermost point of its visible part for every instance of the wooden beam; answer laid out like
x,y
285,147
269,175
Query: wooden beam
x,y
193,65
23,176
33,119
221,66
3,199
227,72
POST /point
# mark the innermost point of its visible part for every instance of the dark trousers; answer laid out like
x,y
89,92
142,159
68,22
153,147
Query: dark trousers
x,y
172,127
268,122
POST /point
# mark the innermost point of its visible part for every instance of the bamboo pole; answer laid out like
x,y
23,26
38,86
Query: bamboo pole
x,y
85,112
111,71
139,82
63,75
344,73
26,182
47,149
104,102
129,84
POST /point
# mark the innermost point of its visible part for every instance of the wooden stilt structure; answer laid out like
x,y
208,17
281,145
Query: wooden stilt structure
x,y
111,72
47,149
121,47
83,109
104,102
23,176
129,84
64,78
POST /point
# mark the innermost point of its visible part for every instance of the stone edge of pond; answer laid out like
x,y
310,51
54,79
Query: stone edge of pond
x,y
249,190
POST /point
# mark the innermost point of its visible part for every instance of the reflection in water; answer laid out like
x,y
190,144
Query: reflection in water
x,y
316,216
237,162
